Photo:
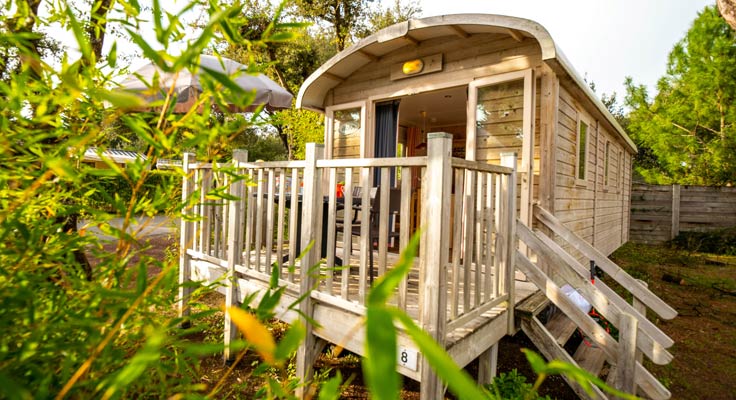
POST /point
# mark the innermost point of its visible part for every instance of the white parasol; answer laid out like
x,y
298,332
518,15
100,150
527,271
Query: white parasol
x,y
187,84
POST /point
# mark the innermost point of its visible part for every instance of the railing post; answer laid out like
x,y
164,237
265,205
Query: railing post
x,y
642,309
436,252
312,203
185,239
626,363
509,217
234,252
675,211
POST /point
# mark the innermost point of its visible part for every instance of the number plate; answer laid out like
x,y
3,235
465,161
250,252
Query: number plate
x,y
408,358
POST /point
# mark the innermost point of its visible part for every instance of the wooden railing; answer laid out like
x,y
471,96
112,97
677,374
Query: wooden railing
x,y
637,335
267,213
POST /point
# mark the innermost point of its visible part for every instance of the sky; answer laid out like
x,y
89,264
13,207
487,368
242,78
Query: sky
x,y
607,40
604,40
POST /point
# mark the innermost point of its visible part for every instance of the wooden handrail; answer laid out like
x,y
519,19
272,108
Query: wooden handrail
x,y
646,325
644,341
652,387
609,267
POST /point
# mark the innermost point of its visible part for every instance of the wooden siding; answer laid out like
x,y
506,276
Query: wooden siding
x,y
595,208
701,209
463,60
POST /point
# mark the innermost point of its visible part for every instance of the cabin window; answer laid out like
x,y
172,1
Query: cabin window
x,y
346,130
607,165
581,151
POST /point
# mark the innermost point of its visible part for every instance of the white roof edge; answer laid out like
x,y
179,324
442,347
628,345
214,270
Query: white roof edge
x,y
547,46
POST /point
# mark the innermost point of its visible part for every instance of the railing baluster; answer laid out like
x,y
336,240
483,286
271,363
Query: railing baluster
x,y
457,233
405,232
468,227
331,221
383,220
365,245
479,228
269,219
250,206
280,220
488,283
293,218
347,235
259,220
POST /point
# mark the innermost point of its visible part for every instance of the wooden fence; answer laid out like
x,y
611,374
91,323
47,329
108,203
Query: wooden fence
x,y
659,213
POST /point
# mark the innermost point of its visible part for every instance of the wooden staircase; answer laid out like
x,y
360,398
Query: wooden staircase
x,y
551,319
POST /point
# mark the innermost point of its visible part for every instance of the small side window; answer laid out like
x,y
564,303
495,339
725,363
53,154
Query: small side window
x,y
607,165
581,151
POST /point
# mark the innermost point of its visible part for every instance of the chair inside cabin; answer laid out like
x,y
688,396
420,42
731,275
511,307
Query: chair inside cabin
x,y
394,204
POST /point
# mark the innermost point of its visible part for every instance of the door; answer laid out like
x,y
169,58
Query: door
x,y
500,117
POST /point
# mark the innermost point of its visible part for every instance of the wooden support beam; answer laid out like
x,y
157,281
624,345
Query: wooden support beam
x,y
487,365
517,35
369,56
460,31
333,76
409,38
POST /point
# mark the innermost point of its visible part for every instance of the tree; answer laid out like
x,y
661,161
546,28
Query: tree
x,y
728,11
344,17
380,18
690,124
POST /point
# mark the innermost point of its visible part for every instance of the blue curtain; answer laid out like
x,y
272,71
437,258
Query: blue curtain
x,y
387,124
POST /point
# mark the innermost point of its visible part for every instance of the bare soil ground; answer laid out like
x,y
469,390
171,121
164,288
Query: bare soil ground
x,y
702,287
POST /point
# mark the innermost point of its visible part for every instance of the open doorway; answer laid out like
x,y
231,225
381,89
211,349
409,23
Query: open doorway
x,y
416,115
437,111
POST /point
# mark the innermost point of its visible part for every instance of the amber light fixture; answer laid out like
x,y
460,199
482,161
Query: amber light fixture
x,y
412,67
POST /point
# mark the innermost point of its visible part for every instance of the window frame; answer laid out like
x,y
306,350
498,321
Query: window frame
x,y
582,180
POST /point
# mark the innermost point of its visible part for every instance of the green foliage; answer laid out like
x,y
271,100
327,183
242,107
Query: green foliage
x,y
105,330
688,131
301,127
111,192
380,18
513,386
718,242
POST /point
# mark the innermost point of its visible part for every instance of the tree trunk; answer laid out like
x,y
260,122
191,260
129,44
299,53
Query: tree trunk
x,y
97,26
727,9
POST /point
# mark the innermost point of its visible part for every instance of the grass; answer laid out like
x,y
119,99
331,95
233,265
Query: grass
x,y
704,294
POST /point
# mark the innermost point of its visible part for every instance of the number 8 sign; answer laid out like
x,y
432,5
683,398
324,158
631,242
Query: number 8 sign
x,y
407,358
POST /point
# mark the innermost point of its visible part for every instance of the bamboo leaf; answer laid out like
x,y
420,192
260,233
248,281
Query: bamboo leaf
x,y
290,342
457,380
330,390
255,333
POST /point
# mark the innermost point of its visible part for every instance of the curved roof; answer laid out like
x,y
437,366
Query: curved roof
x,y
315,88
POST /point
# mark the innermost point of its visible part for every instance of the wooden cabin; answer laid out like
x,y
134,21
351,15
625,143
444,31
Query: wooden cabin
x,y
497,84
476,129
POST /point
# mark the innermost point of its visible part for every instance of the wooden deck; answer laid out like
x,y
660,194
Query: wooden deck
x,y
466,210
461,289
341,321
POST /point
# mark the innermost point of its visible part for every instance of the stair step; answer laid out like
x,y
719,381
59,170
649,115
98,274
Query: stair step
x,y
561,327
533,305
546,344
590,358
